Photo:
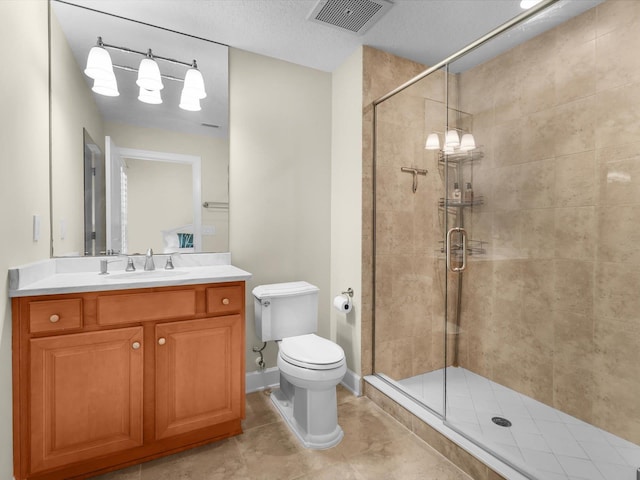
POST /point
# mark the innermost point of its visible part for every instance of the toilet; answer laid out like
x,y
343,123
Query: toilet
x,y
310,366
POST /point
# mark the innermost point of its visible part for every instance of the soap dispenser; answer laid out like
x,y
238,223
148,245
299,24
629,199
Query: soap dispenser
x,y
468,194
457,194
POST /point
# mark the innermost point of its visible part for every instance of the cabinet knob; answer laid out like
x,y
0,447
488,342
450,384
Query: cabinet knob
x,y
135,345
54,318
225,301
162,341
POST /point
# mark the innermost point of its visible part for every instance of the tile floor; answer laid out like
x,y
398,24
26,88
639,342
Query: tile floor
x,y
375,446
542,441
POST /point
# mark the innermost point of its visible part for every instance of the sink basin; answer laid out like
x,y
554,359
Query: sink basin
x,y
139,275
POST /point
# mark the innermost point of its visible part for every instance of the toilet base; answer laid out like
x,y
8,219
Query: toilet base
x,y
309,439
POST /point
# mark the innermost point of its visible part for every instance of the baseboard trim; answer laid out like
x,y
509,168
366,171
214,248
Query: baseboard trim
x,y
351,382
270,378
262,379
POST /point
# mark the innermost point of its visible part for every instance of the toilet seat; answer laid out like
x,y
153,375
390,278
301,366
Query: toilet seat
x,y
312,352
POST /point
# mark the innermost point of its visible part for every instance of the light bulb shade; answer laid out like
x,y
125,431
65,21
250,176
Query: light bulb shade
x,y
433,142
194,83
467,143
99,64
452,139
149,75
189,102
150,96
107,87
527,4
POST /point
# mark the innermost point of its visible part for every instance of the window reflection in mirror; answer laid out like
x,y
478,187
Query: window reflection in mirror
x,y
130,124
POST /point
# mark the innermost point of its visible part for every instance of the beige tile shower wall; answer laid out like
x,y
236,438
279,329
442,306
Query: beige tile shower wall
x,y
381,73
409,318
553,309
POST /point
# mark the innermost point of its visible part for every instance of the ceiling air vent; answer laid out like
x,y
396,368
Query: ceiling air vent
x,y
355,16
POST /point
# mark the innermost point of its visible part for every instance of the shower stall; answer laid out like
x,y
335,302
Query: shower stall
x,y
506,253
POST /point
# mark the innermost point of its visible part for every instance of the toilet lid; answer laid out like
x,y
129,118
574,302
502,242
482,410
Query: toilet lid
x,y
311,351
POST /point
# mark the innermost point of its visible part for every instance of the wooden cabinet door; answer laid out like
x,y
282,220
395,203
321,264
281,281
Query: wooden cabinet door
x,y
86,396
198,374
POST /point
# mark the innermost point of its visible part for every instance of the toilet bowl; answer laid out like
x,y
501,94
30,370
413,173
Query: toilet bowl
x,y
310,368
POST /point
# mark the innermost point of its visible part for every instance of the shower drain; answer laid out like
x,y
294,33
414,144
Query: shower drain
x,y
502,422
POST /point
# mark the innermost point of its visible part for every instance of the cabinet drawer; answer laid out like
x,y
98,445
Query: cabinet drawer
x,y
139,307
222,300
55,315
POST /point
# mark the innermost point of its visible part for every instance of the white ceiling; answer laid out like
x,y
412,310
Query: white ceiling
x,y
425,31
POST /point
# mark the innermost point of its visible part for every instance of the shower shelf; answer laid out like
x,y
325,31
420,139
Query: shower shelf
x,y
461,157
477,200
474,247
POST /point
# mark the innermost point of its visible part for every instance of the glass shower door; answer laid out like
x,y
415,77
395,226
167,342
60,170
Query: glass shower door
x,y
464,247
409,281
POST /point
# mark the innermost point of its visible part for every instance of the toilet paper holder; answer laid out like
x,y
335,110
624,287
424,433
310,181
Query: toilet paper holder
x,y
344,302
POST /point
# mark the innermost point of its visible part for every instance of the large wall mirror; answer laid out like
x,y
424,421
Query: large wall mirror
x,y
128,175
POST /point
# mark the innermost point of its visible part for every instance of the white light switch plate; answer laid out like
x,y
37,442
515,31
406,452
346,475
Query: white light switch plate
x,y
36,228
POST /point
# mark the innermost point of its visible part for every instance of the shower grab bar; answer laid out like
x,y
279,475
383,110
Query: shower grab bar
x,y
463,234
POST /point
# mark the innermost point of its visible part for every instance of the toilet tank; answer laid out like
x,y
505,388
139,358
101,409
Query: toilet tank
x,y
285,310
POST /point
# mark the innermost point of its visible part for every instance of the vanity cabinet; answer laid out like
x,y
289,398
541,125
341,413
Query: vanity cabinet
x,y
86,394
196,384
103,380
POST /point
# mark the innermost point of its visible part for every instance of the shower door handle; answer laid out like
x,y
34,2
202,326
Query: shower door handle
x,y
463,235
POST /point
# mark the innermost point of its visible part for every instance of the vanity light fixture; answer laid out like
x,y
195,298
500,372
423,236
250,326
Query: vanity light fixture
x,y
193,90
451,139
189,101
149,74
152,97
467,143
194,83
106,86
99,62
149,79
433,142
452,142
527,4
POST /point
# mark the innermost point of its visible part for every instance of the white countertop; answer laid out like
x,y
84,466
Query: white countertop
x,y
56,276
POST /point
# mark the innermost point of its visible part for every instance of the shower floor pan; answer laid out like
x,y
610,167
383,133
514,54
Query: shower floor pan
x,y
541,442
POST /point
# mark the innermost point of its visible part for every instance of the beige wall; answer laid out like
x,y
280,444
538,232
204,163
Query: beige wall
x,y
152,188
346,203
24,162
73,109
553,311
280,179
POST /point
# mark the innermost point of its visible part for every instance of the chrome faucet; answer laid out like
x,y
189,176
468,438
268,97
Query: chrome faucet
x,y
148,261
131,267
